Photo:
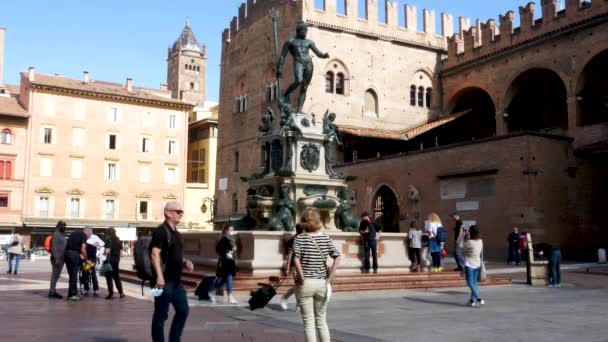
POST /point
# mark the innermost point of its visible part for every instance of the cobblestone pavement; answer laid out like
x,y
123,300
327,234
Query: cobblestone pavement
x,y
575,312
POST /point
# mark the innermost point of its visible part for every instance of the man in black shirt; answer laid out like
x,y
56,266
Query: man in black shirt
x,y
370,234
75,253
458,241
167,258
513,240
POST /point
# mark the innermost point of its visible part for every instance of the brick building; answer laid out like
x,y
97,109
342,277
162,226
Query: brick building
x,y
507,124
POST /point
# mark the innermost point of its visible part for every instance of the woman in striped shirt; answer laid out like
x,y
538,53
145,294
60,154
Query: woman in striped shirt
x,y
310,251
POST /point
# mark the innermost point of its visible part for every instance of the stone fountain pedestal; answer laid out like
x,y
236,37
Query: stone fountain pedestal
x,y
263,252
296,174
297,169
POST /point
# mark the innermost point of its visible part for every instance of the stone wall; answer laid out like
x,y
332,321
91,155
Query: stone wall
x,y
532,189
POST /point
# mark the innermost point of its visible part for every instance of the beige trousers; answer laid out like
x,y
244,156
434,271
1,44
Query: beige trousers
x,y
313,307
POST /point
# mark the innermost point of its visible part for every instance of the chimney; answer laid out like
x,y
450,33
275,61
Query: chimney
x,y
31,74
129,84
1,52
85,79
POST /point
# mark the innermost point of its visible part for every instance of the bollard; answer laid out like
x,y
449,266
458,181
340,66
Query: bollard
x,y
601,256
33,257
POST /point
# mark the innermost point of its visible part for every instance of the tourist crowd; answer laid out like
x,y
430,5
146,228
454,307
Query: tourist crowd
x,y
84,253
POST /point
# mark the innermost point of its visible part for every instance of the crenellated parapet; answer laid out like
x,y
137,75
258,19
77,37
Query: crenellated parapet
x,y
486,39
352,21
389,29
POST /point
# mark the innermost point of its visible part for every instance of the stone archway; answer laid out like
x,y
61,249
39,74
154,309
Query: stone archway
x,y
478,123
385,209
537,102
592,91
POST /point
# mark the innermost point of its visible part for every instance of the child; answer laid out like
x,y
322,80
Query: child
x,y
289,269
414,236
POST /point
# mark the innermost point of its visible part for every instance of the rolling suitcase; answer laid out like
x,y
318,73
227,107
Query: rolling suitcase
x,y
263,295
202,290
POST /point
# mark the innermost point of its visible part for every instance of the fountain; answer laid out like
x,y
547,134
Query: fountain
x,y
297,173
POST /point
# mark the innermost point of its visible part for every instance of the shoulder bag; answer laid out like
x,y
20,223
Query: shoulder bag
x,y
106,267
482,270
328,284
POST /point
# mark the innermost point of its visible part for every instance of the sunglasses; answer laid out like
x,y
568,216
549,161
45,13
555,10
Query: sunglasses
x,y
179,212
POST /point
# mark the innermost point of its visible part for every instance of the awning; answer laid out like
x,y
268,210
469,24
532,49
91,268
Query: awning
x,y
416,131
407,134
372,133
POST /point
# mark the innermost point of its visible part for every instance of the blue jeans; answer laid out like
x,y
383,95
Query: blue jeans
x,y
225,280
514,254
16,257
174,294
370,245
471,275
555,260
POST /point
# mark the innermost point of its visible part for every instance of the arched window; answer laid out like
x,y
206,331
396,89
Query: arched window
x,y
371,102
6,136
413,95
340,84
329,82
1,169
429,91
191,85
420,96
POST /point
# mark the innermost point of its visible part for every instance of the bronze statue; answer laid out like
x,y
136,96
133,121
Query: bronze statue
x,y
331,132
330,129
267,119
343,218
283,219
299,47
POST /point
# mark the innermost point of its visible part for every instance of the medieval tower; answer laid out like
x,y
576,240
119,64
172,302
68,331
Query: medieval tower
x,y
187,68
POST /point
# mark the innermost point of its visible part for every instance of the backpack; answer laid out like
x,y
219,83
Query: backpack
x,y
442,234
48,243
143,262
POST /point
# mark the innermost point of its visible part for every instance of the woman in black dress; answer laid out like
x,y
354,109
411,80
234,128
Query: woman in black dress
x,y
113,248
226,267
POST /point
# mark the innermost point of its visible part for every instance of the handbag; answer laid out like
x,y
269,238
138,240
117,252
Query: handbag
x,y
482,270
328,290
105,268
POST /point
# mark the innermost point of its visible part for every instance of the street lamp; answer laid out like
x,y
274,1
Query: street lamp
x,y
212,202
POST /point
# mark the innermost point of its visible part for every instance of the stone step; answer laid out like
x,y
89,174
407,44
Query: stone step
x,y
346,282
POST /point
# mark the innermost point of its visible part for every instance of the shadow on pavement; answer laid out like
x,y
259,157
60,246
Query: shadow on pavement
x,y
429,301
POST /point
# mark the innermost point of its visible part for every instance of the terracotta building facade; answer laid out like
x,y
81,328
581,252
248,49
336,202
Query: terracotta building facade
x,y
505,122
100,154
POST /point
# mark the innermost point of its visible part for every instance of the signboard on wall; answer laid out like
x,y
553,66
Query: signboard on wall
x,y
223,184
468,224
468,205
454,189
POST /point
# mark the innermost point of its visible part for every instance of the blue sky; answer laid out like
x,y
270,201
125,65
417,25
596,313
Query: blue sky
x,y
114,39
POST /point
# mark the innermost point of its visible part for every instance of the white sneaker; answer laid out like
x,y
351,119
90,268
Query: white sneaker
x,y
283,304
481,302
212,297
231,300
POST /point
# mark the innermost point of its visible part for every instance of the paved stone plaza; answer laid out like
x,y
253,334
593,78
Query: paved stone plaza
x,y
575,312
